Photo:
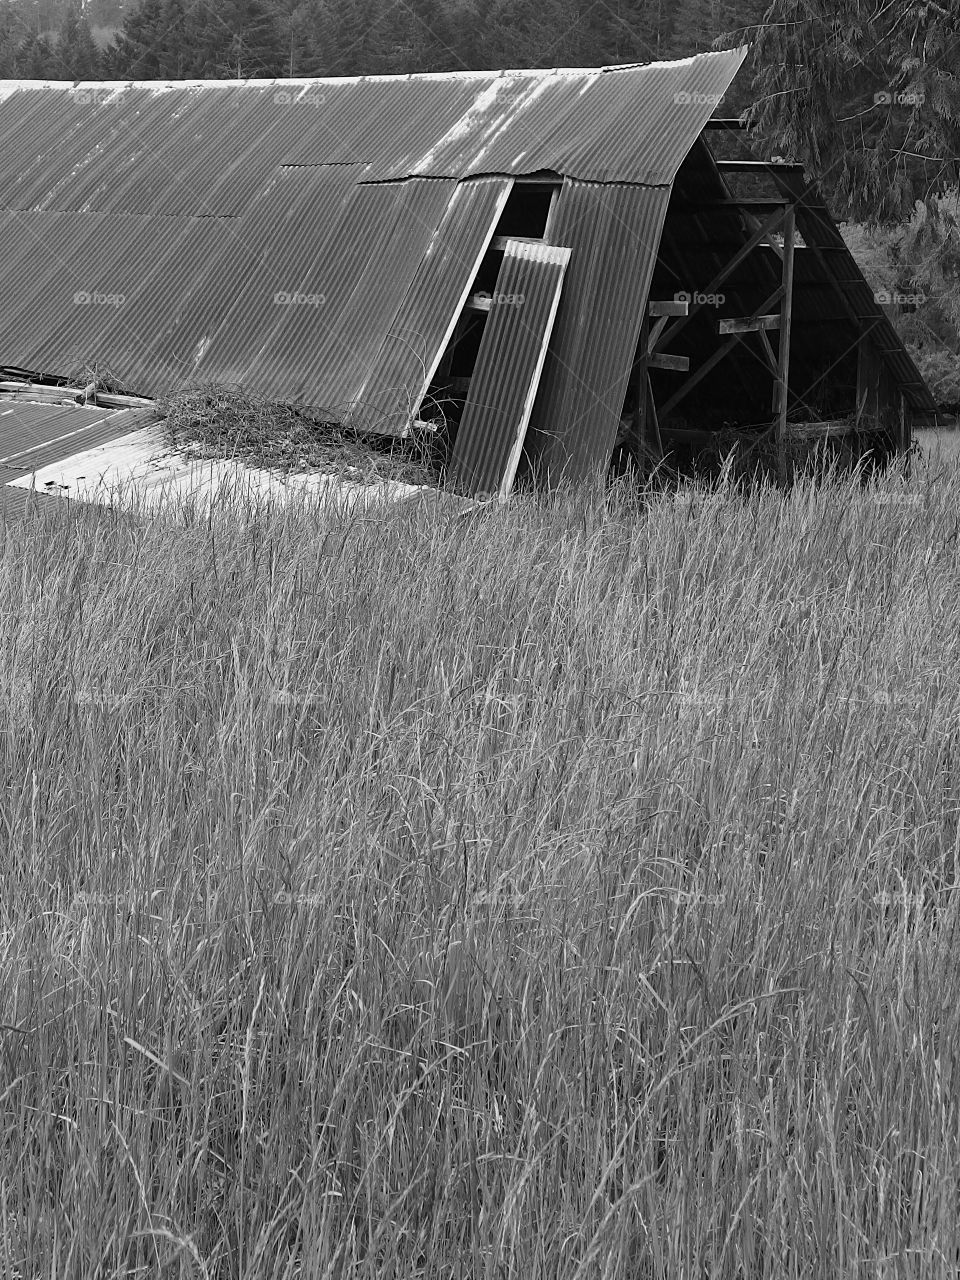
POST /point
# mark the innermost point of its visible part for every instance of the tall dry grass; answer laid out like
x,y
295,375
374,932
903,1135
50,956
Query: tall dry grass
x,y
565,890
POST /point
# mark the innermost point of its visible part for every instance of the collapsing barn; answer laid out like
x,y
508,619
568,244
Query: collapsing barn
x,y
540,264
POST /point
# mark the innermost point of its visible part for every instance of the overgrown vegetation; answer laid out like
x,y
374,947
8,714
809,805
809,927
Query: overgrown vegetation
x,y
916,266
565,890
236,423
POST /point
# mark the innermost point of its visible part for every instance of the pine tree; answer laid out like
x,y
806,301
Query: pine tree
x,y
76,53
867,95
35,60
140,50
357,34
11,32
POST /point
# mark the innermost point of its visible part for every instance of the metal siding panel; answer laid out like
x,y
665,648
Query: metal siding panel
x,y
34,435
16,502
136,147
322,354
614,235
508,367
627,124
400,374
300,240
383,121
150,342
640,128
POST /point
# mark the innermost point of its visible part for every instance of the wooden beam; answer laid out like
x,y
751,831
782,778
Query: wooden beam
x,y
653,422
714,360
755,166
655,331
748,324
773,360
660,360
868,383
499,243
745,250
753,223
820,430
733,203
646,428
668,308
782,388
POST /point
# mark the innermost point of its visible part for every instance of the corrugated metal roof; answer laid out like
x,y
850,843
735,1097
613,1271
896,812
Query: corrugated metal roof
x,y
182,209
16,501
36,435
198,203
32,434
358,274
614,234
140,471
509,362
399,376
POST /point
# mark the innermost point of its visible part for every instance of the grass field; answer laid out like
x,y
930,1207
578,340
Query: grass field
x,y
561,890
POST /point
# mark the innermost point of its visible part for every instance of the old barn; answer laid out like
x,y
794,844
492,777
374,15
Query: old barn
x,y
540,265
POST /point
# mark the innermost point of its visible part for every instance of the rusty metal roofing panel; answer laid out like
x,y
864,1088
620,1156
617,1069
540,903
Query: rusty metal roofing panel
x,y
614,234
647,128
133,147
399,376
379,120
15,502
83,290
25,426
34,435
171,196
118,424
321,353
509,362
288,247
633,124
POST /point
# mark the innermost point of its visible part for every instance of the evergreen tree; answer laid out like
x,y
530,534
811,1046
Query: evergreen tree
x,y
36,60
416,35
357,37
637,30
305,32
150,44
867,95
77,55
11,33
